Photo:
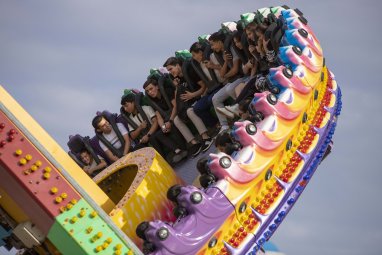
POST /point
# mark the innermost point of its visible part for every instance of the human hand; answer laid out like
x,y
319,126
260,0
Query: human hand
x,y
251,48
176,81
143,125
144,139
168,125
186,96
208,64
249,64
227,56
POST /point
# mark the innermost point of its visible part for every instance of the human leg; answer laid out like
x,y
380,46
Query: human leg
x,y
155,142
202,109
184,130
239,88
197,121
223,94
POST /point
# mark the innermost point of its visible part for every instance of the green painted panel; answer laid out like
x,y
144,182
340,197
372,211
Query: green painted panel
x,y
81,231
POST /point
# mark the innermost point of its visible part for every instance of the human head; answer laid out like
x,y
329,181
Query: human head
x,y
85,157
250,30
243,108
217,41
152,88
196,50
222,140
237,39
100,124
260,30
128,102
174,66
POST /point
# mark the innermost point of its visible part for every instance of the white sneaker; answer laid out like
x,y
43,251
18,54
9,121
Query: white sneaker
x,y
225,112
207,144
234,109
223,128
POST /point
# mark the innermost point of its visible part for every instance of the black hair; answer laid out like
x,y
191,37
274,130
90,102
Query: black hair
x,y
96,120
196,47
85,150
172,61
217,37
127,98
150,81
251,26
244,104
223,138
237,34
261,28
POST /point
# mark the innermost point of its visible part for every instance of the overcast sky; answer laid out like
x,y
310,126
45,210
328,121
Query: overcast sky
x,y
65,60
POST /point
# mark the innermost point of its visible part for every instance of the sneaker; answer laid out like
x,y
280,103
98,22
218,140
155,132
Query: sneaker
x,y
195,149
222,128
234,109
225,112
179,156
207,144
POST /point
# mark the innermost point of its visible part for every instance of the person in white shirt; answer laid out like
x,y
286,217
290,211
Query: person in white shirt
x,y
115,143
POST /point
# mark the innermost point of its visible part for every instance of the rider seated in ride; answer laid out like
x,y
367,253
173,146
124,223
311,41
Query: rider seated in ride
x,y
262,59
91,167
188,98
146,130
164,103
113,138
228,63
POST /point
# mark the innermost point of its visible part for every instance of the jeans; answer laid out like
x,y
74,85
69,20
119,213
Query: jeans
x,y
202,109
223,94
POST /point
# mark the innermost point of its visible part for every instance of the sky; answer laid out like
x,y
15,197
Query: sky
x,y
65,60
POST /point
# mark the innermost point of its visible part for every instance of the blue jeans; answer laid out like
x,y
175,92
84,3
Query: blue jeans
x,y
202,108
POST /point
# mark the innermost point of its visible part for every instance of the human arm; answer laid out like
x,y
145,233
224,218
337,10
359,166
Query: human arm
x,y
224,69
127,143
165,126
111,156
89,170
136,132
190,95
233,71
254,68
247,68
170,122
211,65
159,118
153,128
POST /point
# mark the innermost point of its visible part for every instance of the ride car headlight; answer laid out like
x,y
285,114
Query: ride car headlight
x,y
225,162
162,233
251,129
196,197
